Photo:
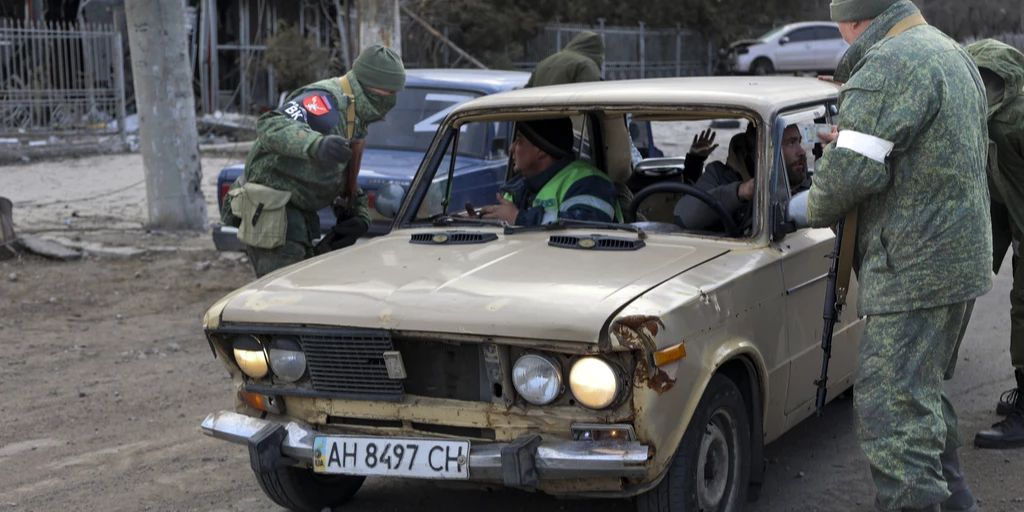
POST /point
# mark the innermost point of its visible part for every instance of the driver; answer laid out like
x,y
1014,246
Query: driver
x,y
550,183
735,191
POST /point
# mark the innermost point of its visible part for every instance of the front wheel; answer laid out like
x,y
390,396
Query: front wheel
x,y
301,490
762,66
711,468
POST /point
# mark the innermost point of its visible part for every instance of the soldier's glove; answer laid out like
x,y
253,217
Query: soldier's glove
x,y
333,149
797,210
343,234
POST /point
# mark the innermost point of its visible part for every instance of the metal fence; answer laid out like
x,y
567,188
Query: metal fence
x,y
60,80
631,52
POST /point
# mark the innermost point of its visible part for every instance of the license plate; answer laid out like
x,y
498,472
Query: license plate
x,y
387,456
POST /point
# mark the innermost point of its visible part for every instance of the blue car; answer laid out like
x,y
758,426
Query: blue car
x,y
395,146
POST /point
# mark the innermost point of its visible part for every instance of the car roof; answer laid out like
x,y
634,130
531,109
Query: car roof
x,y
802,24
764,95
487,81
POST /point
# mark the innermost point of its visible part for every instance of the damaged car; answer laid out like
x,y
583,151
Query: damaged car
x,y
639,359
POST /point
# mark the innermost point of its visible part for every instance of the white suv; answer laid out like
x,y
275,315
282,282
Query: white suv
x,y
807,46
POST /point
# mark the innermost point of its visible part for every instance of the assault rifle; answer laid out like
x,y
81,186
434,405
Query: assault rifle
x,y
837,285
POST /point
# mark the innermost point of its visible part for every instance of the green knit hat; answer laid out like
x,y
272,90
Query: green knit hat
x,y
379,67
858,10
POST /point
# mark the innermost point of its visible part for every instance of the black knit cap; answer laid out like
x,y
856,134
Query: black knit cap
x,y
552,136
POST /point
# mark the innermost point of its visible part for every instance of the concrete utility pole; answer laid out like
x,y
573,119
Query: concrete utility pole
x,y
379,24
167,123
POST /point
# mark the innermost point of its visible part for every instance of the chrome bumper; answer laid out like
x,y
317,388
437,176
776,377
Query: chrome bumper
x,y
553,460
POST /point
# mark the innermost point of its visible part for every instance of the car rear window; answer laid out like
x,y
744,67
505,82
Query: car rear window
x,y
411,124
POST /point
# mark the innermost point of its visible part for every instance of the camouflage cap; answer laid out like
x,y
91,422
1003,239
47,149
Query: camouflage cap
x,y
858,10
379,67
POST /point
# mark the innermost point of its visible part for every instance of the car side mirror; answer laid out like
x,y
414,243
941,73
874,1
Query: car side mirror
x,y
660,167
389,198
784,41
781,225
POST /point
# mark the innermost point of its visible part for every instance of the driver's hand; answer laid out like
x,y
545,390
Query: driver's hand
x,y
703,143
505,210
746,190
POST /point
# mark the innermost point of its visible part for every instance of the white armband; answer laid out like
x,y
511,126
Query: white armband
x,y
868,145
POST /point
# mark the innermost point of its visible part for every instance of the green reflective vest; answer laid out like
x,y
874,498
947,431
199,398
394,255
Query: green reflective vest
x,y
552,196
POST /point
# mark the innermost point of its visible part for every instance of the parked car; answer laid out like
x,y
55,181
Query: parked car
x,y
396,145
809,46
580,358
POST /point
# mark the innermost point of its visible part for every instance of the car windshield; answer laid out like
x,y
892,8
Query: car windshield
x,y
411,125
772,33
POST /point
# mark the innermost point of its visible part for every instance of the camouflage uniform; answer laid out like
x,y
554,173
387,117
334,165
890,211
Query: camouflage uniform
x,y
283,158
1006,130
910,160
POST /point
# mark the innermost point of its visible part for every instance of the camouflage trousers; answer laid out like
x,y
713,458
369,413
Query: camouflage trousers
x,y
1004,234
904,417
303,229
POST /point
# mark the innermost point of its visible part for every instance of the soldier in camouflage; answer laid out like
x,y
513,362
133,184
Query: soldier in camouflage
x,y
303,148
909,160
1002,70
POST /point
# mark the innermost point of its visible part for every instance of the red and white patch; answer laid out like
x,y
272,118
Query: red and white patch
x,y
316,105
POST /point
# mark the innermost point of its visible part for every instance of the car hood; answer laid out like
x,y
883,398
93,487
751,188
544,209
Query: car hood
x,y
516,286
398,165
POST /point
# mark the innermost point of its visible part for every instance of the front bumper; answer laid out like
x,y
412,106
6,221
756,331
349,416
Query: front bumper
x,y
488,462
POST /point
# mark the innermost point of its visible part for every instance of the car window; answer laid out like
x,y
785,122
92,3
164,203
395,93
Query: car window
x,y
828,33
412,123
474,180
803,34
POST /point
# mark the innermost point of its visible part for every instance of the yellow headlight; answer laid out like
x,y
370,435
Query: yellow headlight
x,y
594,383
250,357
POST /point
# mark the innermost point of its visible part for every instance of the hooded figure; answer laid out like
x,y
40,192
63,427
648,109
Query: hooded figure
x,y
299,161
579,61
1002,70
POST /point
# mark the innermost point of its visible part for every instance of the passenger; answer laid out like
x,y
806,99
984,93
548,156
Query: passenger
x,y
732,184
550,184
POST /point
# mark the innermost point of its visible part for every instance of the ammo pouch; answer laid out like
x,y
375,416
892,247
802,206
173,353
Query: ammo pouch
x,y
262,210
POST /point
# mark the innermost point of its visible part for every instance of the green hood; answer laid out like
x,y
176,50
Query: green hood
x,y
588,44
1005,61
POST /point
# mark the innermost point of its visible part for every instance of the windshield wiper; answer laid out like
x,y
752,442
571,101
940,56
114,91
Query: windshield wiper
x,y
570,223
447,220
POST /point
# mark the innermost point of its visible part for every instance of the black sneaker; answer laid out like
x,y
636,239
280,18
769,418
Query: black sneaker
x,y
1008,433
1009,400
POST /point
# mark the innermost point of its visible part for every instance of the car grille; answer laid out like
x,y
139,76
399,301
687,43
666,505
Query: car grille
x,y
351,365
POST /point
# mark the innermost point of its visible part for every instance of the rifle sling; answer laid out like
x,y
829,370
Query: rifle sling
x,y
357,146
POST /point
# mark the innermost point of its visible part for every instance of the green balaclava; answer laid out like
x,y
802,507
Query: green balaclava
x,y
858,10
378,67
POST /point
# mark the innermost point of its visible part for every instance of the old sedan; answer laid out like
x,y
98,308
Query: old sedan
x,y
578,358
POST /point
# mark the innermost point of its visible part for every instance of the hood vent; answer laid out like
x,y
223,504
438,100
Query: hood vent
x,y
452,238
596,243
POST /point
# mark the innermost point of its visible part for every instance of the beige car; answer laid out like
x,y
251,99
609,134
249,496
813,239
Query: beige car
x,y
586,359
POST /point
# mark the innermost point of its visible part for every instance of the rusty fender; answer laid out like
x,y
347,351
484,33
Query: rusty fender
x,y
637,332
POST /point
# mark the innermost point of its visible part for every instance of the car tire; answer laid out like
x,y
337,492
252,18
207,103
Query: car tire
x,y
762,66
710,470
302,490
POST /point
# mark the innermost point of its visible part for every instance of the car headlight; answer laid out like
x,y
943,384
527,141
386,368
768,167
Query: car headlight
x,y
593,382
250,356
537,379
287,359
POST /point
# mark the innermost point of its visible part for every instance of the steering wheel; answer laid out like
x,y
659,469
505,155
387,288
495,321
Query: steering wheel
x,y
673,187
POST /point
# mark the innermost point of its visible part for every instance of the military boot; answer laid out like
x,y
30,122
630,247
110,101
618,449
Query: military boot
x,y
960,499
1013,398
1008,433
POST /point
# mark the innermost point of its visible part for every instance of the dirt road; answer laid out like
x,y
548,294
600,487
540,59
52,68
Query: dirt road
x,y
106,376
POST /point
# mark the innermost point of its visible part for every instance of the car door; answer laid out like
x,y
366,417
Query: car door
x,y
795,50
805,265
829,47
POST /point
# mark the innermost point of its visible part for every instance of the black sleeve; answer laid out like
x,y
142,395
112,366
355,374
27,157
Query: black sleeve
x,y
693,168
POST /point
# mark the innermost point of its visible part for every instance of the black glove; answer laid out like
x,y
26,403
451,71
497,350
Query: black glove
x,y
343,234
334,149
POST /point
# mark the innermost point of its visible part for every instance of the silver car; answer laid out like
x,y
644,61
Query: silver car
x,y
582,359
809,46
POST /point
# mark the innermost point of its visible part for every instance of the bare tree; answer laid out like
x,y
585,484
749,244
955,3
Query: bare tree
x,y
167,127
